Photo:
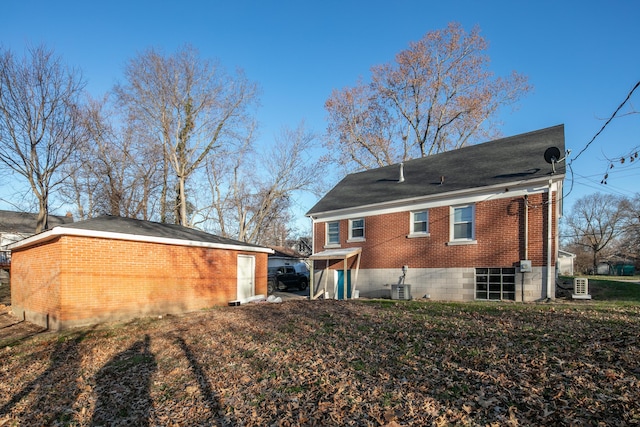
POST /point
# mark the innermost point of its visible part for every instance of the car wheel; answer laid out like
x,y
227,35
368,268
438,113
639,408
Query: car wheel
x,y
271,287
303,285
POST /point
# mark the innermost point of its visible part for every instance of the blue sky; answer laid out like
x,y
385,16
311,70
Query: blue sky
x,y
582,57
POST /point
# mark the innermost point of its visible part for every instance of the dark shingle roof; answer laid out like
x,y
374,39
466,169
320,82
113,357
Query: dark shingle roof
x,y
136,227
501,162
24,222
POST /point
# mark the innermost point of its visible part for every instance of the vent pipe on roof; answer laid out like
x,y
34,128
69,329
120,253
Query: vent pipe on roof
x,y
401,179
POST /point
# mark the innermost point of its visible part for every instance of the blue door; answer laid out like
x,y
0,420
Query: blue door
x,y
341,284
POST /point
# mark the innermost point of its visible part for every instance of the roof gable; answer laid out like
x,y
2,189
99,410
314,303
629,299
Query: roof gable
x,y
505,161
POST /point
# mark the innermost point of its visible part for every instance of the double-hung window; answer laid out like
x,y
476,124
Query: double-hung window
x,y
333,233
356,229
463,223
419,224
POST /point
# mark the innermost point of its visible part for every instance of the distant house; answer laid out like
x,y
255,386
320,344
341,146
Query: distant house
x,y
112,268
15,226
604,268
477,223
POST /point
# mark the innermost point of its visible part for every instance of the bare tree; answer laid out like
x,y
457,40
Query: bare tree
x,y
361,129
191,107
117,173
595,222
438,95
630,241
253,192
39,120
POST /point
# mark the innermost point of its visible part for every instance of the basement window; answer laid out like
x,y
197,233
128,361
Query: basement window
x,y
496,284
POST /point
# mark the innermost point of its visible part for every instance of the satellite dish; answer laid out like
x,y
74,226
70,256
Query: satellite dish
x,y
552,154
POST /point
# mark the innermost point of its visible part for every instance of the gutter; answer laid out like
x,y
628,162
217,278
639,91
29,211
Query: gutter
x,y
514,189
549,241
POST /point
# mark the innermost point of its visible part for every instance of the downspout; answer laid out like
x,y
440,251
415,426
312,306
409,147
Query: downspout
x,y
526,239
557,214
526,226
312,273
549,240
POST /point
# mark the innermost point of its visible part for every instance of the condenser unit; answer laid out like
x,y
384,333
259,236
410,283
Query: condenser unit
x,y
580,288
401,292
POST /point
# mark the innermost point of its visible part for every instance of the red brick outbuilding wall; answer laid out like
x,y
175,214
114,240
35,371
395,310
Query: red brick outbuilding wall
x,y
76,280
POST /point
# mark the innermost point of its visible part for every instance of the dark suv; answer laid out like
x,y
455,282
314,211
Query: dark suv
x,y
285,277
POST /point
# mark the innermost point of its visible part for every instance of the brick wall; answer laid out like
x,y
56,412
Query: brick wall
x,y
81,280
499,235
40,269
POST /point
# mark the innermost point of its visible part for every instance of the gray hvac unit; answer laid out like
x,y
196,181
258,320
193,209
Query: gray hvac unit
x,y
580,288
402,292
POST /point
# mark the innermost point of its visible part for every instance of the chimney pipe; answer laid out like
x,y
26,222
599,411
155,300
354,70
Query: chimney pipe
x,y
401,172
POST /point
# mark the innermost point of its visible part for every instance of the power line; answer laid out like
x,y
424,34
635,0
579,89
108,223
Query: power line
x,y
607,122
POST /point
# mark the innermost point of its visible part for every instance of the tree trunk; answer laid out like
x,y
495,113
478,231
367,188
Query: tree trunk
x,y
42,223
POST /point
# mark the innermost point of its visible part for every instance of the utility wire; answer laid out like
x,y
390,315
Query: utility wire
x,y
607,122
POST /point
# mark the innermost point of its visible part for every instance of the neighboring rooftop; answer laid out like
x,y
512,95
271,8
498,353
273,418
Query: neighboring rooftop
x,y
505,161
25,223
285,252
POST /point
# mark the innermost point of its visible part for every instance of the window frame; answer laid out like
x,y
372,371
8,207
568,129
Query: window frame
x,y
328,233
495,284
353,238
412,224
452,225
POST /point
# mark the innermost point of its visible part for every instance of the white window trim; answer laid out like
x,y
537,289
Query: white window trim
x,y
326,232
356,239
472,240
413,234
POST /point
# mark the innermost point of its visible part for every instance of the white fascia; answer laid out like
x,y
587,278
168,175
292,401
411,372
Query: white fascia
x,y
62,231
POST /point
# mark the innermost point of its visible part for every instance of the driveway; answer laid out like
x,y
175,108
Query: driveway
x,y
292,295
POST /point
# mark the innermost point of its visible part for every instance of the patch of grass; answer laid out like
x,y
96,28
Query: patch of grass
x,y
135,359
623,289
613,290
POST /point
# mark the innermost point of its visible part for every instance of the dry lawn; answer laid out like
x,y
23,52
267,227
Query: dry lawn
x,y
333,363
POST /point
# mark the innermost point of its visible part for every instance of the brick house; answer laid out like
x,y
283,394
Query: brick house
x,y
112,268
454,226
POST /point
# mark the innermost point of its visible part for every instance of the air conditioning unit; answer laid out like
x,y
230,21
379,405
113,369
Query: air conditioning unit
x,y
401,292
580,288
